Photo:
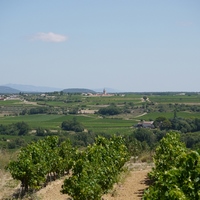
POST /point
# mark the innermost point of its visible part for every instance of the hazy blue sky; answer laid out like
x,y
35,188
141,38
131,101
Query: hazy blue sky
x,y
129,45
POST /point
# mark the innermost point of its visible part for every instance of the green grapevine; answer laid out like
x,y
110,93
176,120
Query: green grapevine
x,y
96,169
40,161
176,174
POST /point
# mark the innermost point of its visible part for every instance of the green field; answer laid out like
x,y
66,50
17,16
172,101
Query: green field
x,y
175,99
94,122
169,115
53,122
10,103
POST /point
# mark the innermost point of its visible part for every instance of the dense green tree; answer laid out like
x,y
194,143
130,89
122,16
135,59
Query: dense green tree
x,y
145,98
160,134
165,125
73,125
22,127
74,111
38,110
40,131
110,110
158,121
144,134
175,113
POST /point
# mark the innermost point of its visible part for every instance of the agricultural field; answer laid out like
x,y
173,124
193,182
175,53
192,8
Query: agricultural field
x,y
57,108
182,114
81,118
185,99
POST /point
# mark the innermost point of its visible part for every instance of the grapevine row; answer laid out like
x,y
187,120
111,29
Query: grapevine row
x,y
94,170
176,175
37,163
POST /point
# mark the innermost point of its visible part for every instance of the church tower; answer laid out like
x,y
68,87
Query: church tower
x,y
104,91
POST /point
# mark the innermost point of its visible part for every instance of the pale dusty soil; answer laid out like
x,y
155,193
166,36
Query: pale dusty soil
x,y
87,111
52,191
7,184
29,102
131,188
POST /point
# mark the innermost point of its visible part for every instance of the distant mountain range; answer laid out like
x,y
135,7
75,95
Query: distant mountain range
x,y
78,90
8,90
16,88
31,88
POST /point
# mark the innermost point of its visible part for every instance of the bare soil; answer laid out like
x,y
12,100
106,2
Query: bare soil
x,y
28,102
7,185
131,187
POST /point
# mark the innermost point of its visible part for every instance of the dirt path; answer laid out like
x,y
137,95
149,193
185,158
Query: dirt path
x,y
131,188
141,115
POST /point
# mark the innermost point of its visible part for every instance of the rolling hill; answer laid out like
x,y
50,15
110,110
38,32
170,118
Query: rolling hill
x,y
8,90
78,90
31,88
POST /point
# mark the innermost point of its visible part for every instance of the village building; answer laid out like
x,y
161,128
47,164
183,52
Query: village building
x,y
145,124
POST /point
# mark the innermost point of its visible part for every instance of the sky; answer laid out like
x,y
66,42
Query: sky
x,y
129,45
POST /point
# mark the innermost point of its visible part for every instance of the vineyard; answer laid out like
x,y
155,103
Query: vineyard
x,y
94,170
41,162
54,138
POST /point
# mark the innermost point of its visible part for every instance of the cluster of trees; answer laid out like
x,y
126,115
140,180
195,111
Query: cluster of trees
x,y
43,132
110,110
176,171
13,143
145,139
184,107
179,124
19,128
49,110
38,110
33,111
192,140
83,139
72,125
150,106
